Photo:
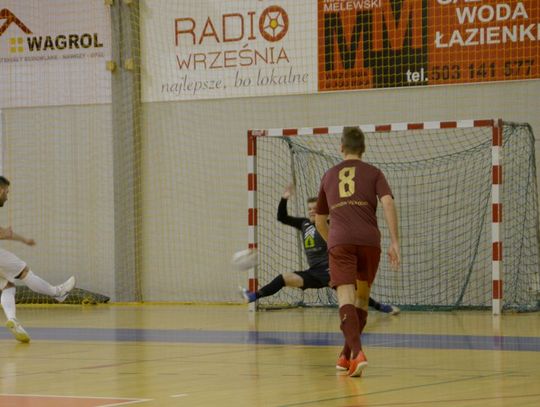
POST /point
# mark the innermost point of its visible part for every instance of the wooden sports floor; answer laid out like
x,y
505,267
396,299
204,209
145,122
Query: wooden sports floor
x,y
195,355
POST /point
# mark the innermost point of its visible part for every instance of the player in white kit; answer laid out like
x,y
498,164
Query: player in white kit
x,y
12,268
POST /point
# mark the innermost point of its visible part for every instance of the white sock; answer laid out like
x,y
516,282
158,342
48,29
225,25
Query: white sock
x,y
8,302
39,285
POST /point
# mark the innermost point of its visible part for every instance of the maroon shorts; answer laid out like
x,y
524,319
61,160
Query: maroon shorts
x,y
350,262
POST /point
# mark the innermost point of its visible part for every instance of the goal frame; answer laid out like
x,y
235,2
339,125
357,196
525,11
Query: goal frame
x,y
496,126
1,143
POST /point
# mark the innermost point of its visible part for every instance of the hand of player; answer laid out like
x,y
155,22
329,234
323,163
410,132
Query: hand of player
x,y
288,191
6,233
29,242
394,256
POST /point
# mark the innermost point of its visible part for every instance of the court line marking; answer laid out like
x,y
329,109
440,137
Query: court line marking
x,y
390,390
420,341
431,402
127,401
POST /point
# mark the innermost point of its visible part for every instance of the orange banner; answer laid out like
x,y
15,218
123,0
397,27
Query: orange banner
x,y
488,40
393,43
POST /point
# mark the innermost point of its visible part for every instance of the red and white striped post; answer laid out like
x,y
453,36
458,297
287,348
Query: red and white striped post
x,y
1,144
252,207
496,224
496,217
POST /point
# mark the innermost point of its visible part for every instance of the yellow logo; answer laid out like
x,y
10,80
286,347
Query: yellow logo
x,y
309,242
16,44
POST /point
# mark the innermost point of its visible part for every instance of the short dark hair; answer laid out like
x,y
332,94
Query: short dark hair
x,y
4,182
353,141
312,199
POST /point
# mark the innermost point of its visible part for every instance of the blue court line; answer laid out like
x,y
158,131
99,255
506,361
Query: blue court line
x,y
390,340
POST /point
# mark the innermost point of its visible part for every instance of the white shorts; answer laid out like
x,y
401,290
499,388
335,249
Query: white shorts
x,y
10,267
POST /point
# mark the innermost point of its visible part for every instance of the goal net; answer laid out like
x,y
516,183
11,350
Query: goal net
x,y
449,195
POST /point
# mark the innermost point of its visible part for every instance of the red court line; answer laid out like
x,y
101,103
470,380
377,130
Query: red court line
x,y
22,400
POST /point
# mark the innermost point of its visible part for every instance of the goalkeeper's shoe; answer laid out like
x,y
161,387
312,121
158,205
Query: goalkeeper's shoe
x,y
390,309
17,330
64,289
248,296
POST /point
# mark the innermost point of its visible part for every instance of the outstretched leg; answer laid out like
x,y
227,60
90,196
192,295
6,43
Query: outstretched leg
x,y
386,308
37,284
374,304
274,286
7,298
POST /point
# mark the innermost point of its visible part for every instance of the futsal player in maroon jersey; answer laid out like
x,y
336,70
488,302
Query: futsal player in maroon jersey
x,y
317,275
348,195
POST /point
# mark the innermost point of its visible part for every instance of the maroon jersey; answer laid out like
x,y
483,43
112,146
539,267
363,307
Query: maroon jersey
x,y
349,193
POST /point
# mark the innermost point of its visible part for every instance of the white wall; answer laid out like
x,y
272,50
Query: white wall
x,y
194,208
59,162
194,168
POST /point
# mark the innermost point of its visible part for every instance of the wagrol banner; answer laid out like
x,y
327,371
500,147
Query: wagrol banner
x,y
54,53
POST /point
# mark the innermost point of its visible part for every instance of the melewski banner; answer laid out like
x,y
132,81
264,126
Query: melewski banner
x,y
200,49
54,53
393,43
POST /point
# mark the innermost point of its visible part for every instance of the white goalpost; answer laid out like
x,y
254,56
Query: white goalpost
x,y
1,143
447,178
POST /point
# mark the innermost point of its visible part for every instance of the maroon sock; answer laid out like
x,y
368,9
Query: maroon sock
x,y
362,320
350,328
346,351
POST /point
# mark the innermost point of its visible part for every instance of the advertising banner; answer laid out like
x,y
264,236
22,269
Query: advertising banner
x,y
365,44
54,53
201,49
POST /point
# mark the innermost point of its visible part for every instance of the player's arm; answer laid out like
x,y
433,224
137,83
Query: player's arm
x,y
283,215
390,216
9,234
321,217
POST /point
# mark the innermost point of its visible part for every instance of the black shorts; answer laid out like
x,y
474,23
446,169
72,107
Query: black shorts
x,y
315,278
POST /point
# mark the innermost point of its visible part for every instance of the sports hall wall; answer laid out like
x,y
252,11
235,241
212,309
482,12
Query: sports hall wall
x,y
191,163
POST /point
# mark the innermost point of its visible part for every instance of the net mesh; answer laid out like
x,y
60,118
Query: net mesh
x,y
441,180
128,169
76,296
